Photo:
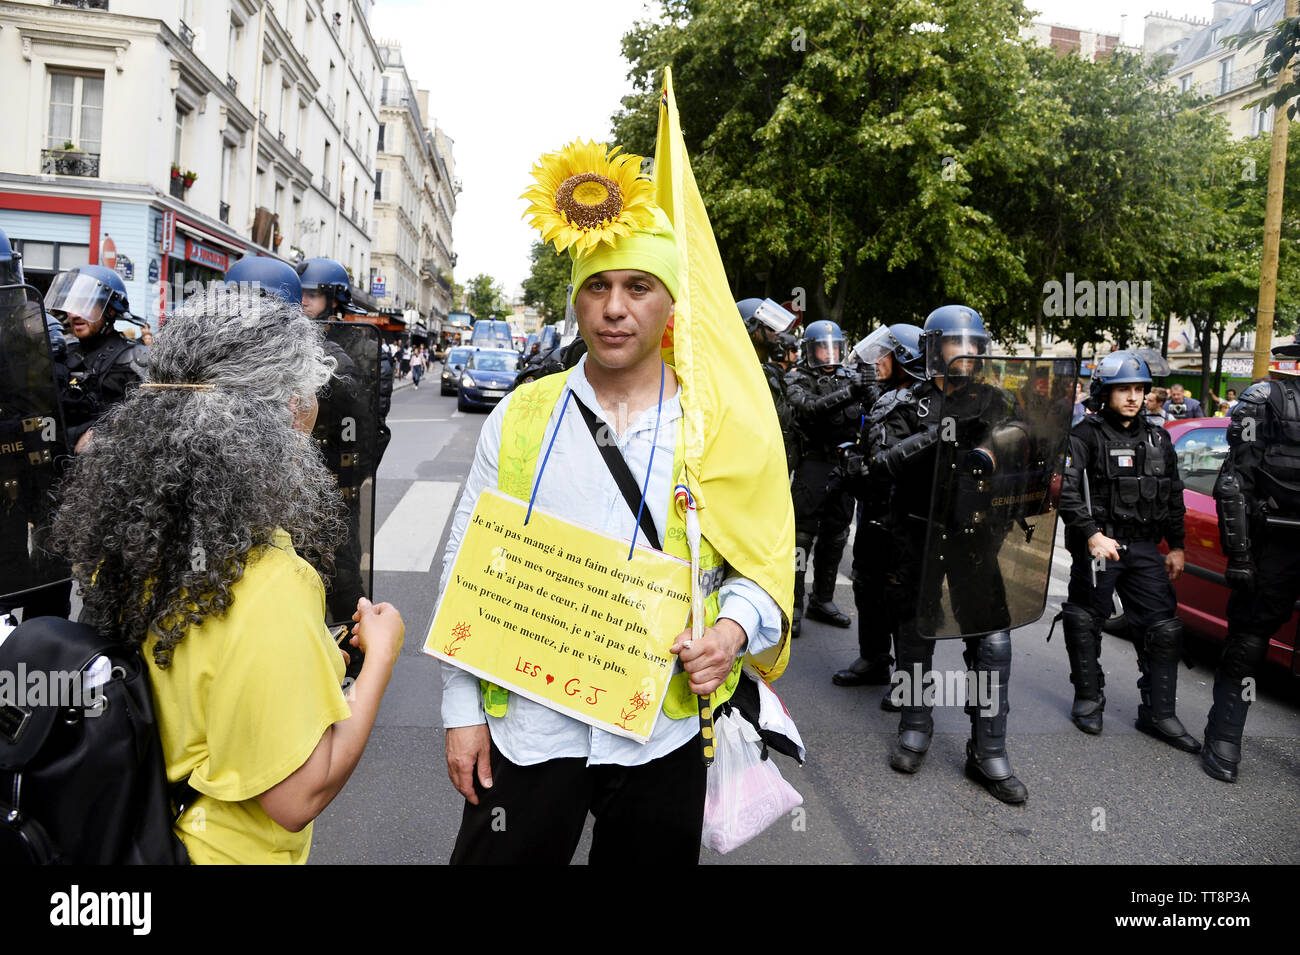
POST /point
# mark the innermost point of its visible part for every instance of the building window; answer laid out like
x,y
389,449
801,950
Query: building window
x,y
381,137
379,184
1225,74
1185,82
1261,120
178,135
76,111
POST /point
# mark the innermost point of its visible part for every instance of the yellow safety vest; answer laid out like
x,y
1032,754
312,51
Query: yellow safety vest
x,y
522,431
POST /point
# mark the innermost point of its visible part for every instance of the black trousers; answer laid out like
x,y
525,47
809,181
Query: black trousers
x,y
874,555
823,511
1253,618
653,813
1139,576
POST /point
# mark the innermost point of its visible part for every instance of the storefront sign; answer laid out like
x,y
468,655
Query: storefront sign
x,y
206,256
168,244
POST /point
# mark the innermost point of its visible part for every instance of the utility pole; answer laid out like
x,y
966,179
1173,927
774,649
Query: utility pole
x,y
1272,224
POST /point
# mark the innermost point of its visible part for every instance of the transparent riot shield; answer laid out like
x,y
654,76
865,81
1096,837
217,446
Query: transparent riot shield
x,y
988,552
33,447
347,433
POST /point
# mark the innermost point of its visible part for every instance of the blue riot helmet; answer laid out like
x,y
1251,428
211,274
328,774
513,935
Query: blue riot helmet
x,y
268,275
950,331
767,324
900,342
330,279
11,264
823,345
86,295
763,313
1118,368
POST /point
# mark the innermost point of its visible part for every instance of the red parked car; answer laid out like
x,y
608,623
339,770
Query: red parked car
x,y
1201,445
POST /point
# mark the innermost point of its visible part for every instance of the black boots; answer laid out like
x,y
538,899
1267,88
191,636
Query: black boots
x,y
827,612
915,731
863,672
1083,645
1159,686
1223,730
987,762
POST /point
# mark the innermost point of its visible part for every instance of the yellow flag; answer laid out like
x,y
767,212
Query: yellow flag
x,y
735,455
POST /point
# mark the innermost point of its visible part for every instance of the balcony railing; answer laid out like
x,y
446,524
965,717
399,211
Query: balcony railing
x,y
231,84
343,204
329,105
67,162
223,212
261,116
325,186
178,188
297,154
83,4
1236,80
280,136
187,34
347,130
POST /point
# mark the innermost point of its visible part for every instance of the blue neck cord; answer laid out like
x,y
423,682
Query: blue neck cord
x,y
538,482
658,414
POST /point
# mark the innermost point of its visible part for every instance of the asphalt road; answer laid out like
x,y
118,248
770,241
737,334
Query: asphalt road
x,y
1119,798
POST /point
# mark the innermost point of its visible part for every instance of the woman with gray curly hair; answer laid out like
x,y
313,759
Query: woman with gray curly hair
x,y
200,521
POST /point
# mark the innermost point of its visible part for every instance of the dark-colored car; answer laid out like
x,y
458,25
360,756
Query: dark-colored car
x,y
1202,445
452,367
488,375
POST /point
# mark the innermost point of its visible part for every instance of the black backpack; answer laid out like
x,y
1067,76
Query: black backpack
x,y
83,783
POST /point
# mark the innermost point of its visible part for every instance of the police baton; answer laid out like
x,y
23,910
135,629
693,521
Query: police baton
x,y
1087,502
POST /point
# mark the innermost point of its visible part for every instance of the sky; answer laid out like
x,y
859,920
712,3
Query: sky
x,y
506,86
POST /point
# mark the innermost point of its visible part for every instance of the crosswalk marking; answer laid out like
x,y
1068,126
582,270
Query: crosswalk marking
x,y
408,541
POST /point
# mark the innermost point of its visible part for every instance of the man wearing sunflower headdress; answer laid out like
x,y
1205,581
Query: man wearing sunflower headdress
x,y
547,770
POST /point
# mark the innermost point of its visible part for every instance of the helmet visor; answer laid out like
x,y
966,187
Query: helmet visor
x,y
771,315
11,270
73,293
940,350
823,352
874,347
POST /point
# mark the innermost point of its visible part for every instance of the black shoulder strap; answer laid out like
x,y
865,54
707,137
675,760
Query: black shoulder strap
x,y
621,473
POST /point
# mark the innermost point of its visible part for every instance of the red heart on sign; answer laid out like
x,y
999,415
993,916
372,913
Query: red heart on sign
x,y
550,679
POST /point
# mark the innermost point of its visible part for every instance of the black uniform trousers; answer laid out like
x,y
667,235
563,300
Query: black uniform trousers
x,y
1140,577
1254,617
648,814
823,511
874,556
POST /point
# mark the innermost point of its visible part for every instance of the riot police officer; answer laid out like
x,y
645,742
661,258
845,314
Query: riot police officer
x,y
827,401
101,363
1258,496
327,294
768,325
349,453
1121,495
904,446
896,353
32,448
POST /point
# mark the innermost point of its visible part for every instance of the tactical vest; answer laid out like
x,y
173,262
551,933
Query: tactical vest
x,y
1279,473
1131,482
522,430
822,436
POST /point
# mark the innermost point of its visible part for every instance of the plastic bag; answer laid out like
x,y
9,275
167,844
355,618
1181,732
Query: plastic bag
x,y
745,793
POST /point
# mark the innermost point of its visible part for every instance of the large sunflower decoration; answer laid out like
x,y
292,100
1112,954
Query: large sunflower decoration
x,y
586,194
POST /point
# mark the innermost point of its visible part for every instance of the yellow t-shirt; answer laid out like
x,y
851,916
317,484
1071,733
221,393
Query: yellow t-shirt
x,y
245,701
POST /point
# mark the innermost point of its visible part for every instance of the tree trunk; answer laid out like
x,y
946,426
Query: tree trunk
x,y
1204,335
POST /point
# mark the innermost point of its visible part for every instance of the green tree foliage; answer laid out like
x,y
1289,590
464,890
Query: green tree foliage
x,y
547,281
887,156
484,298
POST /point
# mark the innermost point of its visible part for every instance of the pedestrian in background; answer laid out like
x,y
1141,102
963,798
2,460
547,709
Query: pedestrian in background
x,y
1182,405
417,364
1155,402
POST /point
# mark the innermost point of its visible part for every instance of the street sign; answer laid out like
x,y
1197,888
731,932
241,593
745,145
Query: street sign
x,y
379,287
125,268
168,233
108,253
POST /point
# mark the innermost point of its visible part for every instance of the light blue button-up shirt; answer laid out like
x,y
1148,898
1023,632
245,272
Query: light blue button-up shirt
x,y
577,485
